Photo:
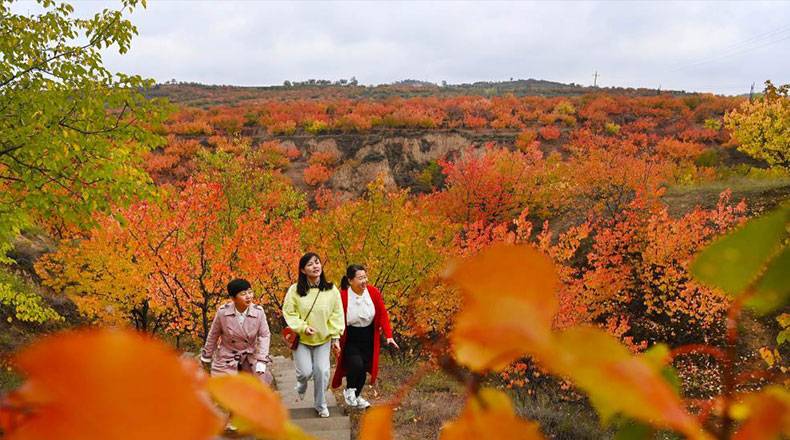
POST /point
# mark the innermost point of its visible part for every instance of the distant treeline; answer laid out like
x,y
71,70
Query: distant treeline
x,y
203,95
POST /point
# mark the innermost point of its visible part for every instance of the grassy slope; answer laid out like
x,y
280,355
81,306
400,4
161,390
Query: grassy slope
x,y
760,194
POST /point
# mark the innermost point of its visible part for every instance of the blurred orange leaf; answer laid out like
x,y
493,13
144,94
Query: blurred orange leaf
x,y
489,415
110,384
509,304
767,415
11,414
617,381
255,408
508,313
377,424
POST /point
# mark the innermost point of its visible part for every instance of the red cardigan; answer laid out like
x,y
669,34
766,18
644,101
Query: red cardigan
x,y
381,326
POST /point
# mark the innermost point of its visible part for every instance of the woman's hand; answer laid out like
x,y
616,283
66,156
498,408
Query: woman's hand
x,y
336,347
309,330
392,342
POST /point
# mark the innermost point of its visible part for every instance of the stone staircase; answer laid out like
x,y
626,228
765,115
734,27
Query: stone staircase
x,y
336,427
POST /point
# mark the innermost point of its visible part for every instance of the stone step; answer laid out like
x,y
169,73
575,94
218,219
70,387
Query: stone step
x,y
309,413
289,397
321,424
289,392
335,427
291,403
338,434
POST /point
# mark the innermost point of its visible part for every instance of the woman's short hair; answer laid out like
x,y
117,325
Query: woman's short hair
x,y
237,286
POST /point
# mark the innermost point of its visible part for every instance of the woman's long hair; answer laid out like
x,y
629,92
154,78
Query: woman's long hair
x,y
351,272
302,285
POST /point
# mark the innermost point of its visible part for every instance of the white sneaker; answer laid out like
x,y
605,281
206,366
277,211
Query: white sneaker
x,y
362,403
323,412
350,394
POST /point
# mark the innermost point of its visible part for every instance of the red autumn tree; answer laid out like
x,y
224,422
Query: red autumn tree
x,y
490,185
177,255
638,268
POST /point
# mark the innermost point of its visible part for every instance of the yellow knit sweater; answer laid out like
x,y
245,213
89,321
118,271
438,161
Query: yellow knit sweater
x,y
326,317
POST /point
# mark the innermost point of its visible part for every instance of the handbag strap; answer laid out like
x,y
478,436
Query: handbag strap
x,y
285,323
311,307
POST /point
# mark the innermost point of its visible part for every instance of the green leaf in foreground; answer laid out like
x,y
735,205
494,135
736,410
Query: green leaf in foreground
x,y
773,290
634,430
736,260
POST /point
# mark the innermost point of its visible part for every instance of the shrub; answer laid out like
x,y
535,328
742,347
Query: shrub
x,y
549,133
316,174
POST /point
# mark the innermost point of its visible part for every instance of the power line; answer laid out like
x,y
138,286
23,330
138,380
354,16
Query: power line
x,y
732,54
751,44
741,49
754,38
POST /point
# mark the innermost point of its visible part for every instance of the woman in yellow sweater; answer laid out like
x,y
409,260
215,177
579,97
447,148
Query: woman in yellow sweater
x,y
313,309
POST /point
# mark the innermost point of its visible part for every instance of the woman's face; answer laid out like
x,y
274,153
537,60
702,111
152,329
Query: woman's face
x,y
360,281
313,268
242,300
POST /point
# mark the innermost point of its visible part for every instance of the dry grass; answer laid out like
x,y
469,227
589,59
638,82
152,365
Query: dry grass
x,y
438,398
422,413
760,194
560,417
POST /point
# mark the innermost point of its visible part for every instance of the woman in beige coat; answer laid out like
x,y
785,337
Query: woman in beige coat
x,y
239,337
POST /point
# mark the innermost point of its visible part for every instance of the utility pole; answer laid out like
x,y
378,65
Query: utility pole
x,y
595,79
751,93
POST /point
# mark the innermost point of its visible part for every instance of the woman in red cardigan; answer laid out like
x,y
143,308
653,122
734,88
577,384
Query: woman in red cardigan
x,y
366,319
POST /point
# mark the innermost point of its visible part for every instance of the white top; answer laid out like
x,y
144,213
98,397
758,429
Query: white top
x,y
360,311
241,316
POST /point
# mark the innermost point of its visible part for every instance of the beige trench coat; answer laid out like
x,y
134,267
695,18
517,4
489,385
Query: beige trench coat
x,y
233,348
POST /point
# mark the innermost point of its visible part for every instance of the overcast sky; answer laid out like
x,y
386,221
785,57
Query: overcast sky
x,y
707,46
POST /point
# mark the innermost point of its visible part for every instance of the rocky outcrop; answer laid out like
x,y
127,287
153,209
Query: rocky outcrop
x,y
398,156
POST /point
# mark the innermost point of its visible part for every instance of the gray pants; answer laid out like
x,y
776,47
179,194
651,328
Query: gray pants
x,y
312,362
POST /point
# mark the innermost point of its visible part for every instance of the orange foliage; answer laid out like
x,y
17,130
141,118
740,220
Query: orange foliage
x,y
549,133
175,162
272,154
639,261
520,312
317,174
699,135
164,266
675,149
503,310
266,250
285,116
325,158
490,415
110,384
377,424
490,186
768,415
253,405
527,140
